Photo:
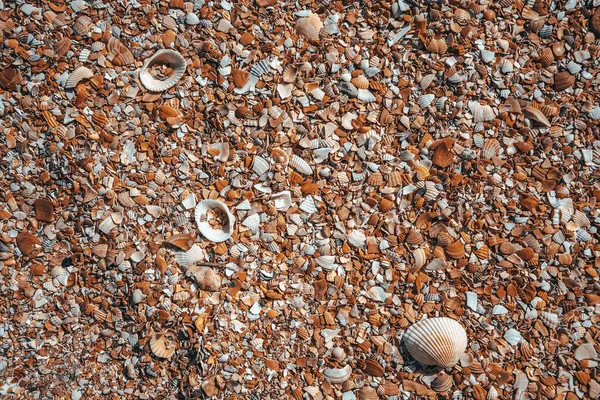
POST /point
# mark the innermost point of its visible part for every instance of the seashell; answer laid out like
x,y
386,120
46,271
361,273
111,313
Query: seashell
x,y
320,155
436,341
44,209
420,258
137,296
357,238
280,156
367,393
260,165
546,57
550,319
27,243
482,113
289,74
376,293
461,16
338,375
546,31
490,149
206,212
386,205
84,54
422,172
536,115
373,368
300,165
361,82
78,75
563,81
308,205
326,262
492,393
121,55
162,345
438,46
252,222
192,256
60,274
171,57
366,96
425,100
506,66
82,25
219,151
310,27
98,46
206,278
283,200
442,383
62,46
585,351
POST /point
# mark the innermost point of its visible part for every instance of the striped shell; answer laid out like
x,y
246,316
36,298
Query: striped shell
x,y
171,57
309,27
436,341
338,375
78,75
300,165
202,219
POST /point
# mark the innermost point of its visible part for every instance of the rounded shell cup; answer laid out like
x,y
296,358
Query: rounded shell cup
x,y
171,57
436,341
203,219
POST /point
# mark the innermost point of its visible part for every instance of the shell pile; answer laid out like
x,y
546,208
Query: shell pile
x,y
299,199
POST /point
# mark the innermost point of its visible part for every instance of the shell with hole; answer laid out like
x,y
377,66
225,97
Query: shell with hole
x,y
164,56
436,341
207,212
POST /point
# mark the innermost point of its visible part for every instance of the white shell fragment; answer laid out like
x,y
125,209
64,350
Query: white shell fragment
x,y
338,375
436,341
171,57
206,213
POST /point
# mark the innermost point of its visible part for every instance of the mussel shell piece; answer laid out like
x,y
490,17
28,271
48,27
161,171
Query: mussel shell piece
x,y
436,341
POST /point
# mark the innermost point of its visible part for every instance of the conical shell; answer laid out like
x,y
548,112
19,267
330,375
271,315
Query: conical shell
x,y
78,75
171,57
436,341
309,27
300,165
201,214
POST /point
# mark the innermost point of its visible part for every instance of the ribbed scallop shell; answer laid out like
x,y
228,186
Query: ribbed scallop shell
x,y
309,27
361,82
436,341
192,256
366,96
78,75
201,216
171,57
300,165
425,100
490,149
161,346
260,165
442,383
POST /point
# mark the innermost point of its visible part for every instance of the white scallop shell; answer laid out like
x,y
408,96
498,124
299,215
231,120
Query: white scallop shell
x,y
252,222
300,165
338,375
426,99
308,205
481,113
326,262
193,255
260,165
201,216
550,319
78,75
162,56
436,341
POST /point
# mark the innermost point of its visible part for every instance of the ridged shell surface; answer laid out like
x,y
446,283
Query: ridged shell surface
x,y
436,341
201,216
171,57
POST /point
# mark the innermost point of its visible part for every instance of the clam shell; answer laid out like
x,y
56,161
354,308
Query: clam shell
x,y
361,82
436,341
300,165
78,75
193,255
338,375
366,96
161,346
442,383
310,27
420,257
201,215
482,113
171,57
490,149
260,165
426,100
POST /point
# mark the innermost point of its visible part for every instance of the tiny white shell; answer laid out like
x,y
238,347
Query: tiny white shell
x,y
162,56
201,214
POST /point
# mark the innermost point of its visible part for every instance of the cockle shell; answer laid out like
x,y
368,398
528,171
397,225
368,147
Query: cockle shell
x,y
300,165
309,27
338,375
260,165
193,255
442,383
201,215
436,341
161,345
78,75
177,63
426,99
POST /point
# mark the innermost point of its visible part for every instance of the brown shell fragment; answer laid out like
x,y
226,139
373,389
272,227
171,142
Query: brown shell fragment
x,y
563,81
163,345
28,243
44,210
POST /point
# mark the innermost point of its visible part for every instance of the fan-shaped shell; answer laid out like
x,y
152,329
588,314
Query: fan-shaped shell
x,y
361,82
310,27
426,99
27,243
300,165
78,75
171,57
455,250
260,165
550,319
490,149
482,113
203,217
442,383
162,346
338,375
366,96
193,255
436,341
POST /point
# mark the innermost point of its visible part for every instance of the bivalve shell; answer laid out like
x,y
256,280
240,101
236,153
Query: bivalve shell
x,y
436,341
171,57
300,165
162,345
310,27
208,211
338,375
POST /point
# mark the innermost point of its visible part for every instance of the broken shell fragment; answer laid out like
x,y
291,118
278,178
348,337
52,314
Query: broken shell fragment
x,y
436,341
173,59
162,345
338,375
77,76
214,220
300,165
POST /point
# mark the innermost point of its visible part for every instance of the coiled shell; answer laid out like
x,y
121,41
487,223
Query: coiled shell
x,y
436,341
201,215
171,57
